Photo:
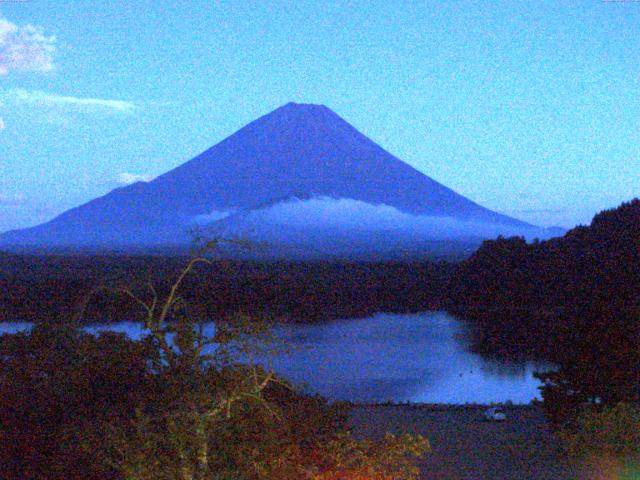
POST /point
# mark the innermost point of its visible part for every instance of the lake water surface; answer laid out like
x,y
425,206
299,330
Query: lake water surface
x,y
415,357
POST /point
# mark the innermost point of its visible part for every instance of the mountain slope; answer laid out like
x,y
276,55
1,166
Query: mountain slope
x,y
301,151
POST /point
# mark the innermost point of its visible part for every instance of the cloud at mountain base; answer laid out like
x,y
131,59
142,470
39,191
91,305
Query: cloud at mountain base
x,y
212,216
348,215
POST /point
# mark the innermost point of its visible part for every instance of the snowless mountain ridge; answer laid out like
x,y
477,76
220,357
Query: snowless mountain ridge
x,y
299,153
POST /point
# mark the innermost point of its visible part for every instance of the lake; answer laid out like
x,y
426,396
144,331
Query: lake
x,y
397,357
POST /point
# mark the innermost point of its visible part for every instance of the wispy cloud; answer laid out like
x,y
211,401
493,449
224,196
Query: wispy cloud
x,y
40,98
129,178
54,108
2,125
25,48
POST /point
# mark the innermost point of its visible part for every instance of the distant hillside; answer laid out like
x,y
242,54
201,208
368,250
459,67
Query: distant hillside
x,y
303,154
595,263
547,297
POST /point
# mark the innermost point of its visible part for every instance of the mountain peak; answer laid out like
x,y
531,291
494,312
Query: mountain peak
x,y
295,111
304,106
298,150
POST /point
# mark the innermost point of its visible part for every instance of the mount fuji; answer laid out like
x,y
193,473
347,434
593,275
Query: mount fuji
x,y
301,179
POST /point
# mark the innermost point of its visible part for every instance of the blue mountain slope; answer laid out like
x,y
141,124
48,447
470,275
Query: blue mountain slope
x,y
298,150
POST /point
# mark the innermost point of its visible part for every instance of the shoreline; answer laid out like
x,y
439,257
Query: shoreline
x,y
466,447
442,406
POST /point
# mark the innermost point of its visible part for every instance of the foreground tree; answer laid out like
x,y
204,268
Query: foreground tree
x,y
181,403
55,382
610,431
601,365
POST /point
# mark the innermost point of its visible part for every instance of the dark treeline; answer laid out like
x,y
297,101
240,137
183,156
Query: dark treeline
x,y
53,287
596,263
537,295
574,300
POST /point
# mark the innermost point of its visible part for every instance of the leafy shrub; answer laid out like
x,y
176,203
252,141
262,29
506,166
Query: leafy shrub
x,y
610,430
345,458
55,382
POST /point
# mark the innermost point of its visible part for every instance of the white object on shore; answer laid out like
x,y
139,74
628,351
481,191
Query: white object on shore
x,y
494,414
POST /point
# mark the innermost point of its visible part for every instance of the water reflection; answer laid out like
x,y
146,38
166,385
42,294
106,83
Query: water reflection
x,y
418,357
421,358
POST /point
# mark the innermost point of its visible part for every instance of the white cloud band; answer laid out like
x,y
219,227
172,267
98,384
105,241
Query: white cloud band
x,y
37,97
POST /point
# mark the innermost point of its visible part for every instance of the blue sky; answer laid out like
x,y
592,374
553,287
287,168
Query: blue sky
x,y
529,108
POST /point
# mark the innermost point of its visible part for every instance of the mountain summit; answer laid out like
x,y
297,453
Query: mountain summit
x,y
297,152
